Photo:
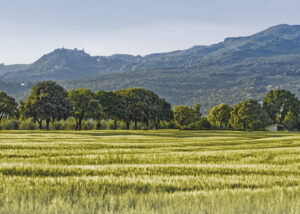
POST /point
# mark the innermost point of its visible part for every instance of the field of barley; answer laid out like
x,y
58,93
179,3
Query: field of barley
x,y
166,171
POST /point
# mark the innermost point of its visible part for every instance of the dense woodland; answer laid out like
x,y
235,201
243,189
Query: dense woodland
x,y
50,106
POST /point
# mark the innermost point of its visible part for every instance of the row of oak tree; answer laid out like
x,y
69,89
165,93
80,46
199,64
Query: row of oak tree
x,y
50,102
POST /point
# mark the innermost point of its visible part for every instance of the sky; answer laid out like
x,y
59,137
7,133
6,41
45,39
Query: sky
x,y
32,28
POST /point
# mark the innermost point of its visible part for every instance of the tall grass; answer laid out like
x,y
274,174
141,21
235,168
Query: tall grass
x,y
166,171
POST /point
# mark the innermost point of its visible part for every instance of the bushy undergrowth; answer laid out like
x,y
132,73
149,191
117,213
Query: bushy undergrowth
x,y
70,124
28,125
10,124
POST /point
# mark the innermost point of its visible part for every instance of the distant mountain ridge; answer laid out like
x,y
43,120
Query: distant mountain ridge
x,y
235,69
65,64
11,68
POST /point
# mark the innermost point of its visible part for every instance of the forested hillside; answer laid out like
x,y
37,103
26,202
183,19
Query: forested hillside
x,y
236,69
230,71
4,69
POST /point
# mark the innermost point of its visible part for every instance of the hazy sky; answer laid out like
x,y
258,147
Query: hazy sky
x,y
31,28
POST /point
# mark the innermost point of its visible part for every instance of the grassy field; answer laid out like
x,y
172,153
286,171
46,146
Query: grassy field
x,y
167,171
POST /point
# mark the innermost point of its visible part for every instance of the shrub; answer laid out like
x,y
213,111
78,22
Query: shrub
x,y
87,125
167,125
201,124
70,124
121,125
256,125
103,124
110,124
28,125
140,126
10,124
59,125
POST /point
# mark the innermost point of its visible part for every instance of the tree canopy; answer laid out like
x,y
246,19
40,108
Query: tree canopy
x,y
219,116
47,101
290,121
140,105
111,106
278,103
8,106
164,112
248,115
85,105
184,115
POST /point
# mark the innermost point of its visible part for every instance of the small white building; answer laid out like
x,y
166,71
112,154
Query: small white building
x,y
275,128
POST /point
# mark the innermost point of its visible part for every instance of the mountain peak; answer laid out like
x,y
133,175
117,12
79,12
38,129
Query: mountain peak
x,y
283,27
74,51
63,55
282,30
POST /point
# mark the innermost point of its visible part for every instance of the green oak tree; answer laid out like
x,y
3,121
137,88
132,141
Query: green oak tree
x,y
164,112
247,114
85,105
184,115
138,105
131,105
201,124
278,103
47,101
111,106
8,106
152,107
219,116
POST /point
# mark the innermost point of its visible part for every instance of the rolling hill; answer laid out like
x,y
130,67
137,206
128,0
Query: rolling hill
x,y
65,64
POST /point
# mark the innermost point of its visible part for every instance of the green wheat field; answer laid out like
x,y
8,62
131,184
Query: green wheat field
x,y
166,171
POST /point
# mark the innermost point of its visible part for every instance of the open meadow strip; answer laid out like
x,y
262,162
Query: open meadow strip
x,y
166,171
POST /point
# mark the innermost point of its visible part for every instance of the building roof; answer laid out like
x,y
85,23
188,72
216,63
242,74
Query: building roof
x,y
275,125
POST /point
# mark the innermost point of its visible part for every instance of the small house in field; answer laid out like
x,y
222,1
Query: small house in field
x,y
275,128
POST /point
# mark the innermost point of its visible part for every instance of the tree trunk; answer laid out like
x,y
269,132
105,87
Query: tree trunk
x,y
40,124
157,124
47,124
135,125
147,124
79,125
98,126
281,118
115,121
1,115
128,125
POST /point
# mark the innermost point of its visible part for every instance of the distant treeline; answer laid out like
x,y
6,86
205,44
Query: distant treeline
x,y
50,106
